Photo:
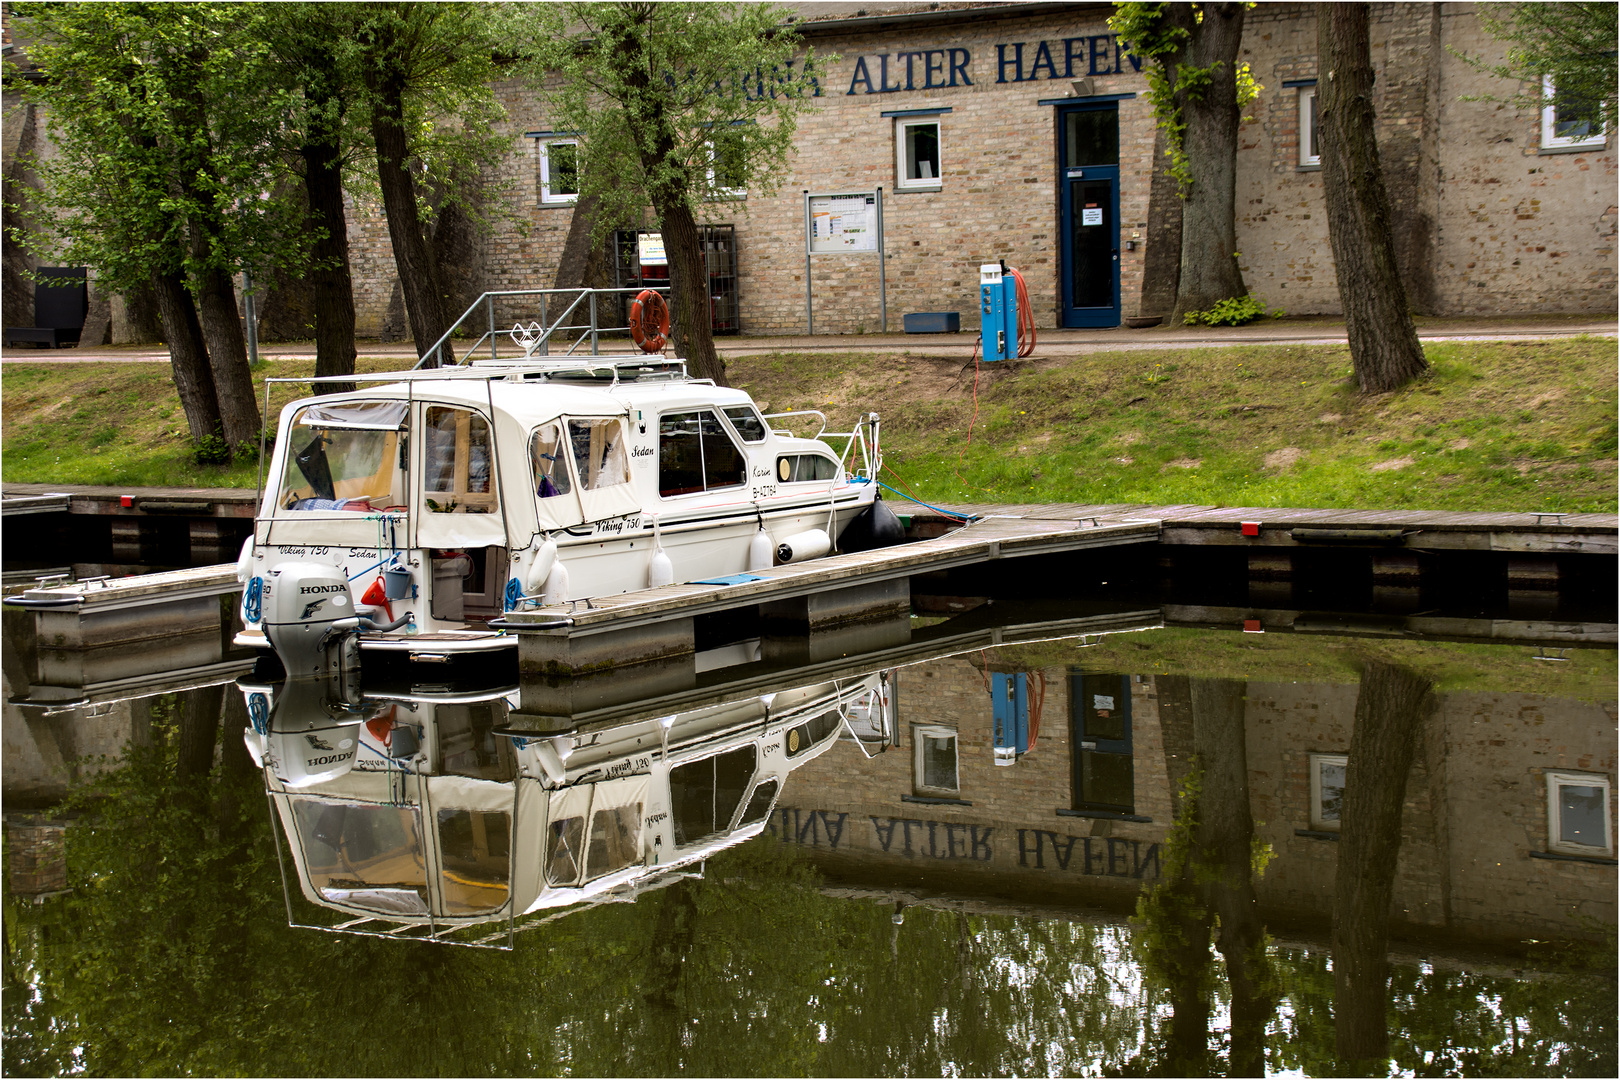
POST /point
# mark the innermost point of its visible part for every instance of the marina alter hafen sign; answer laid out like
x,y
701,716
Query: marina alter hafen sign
x,y
942,68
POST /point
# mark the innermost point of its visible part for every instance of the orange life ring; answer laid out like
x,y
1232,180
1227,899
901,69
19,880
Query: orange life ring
x,y
649,321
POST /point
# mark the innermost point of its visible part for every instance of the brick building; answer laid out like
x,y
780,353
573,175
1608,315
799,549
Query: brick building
x,y
1021,131
1498,787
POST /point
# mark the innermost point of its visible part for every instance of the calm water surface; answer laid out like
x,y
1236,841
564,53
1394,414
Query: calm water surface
x,y
1158,884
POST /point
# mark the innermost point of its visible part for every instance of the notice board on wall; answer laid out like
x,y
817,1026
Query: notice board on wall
x,y
842,223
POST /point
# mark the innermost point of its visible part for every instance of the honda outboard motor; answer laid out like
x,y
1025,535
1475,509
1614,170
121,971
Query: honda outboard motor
x,y
309,619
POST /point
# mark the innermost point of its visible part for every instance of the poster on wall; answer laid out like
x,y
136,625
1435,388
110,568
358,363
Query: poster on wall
x,y
650,249
841,223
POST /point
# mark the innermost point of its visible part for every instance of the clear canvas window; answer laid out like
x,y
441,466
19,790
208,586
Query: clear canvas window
x,y
1568,121
477,863
343,468
547,465
457,462
559,172
918,154
600,459
1578,814
1327,790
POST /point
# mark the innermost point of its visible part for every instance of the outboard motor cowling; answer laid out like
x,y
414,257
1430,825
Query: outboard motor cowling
x,y
309,620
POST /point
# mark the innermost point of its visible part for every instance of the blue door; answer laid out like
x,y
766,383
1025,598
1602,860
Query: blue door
x,y
1088,212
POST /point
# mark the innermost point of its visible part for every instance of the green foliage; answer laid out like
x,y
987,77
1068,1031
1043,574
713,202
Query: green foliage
x,y
720,79
1171,83
1572,42
1233,311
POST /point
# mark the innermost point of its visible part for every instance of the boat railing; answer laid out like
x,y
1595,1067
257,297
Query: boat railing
x,y
862,438
536,337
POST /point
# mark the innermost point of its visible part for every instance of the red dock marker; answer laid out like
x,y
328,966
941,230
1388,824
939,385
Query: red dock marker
x,y
126,501
1251,528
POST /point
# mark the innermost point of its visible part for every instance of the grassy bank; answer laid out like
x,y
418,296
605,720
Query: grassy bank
x,y
1523,425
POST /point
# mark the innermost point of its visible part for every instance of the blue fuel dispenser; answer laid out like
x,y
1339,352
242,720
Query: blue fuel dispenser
x,y
998,311
1009,713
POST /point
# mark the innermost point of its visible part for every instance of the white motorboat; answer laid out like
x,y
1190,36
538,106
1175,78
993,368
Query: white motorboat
x,y
407,515
418,815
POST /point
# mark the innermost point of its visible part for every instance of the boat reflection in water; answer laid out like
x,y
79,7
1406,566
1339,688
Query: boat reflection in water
x,y
420,814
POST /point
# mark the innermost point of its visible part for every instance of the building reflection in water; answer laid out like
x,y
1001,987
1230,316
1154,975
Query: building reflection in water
x,y
1079,861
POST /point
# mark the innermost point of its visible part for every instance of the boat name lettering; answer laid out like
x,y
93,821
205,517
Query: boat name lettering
x,y
291,552
360,553
616,527
764,491
642,451
761,471
656,818
323,588
319,550
772,748
624,768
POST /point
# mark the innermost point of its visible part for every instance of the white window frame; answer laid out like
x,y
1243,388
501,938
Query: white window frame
x,y
901,181
1555,842
547,197
1307,128
1550,139
1317,761
918,737
714,185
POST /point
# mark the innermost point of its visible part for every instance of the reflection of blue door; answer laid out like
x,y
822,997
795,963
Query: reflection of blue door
x,y
1088,212
1103,763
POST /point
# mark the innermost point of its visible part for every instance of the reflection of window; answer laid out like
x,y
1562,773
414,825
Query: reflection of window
x,y
364,855
917,154
1327,790
456,462
563,853
935,761
1578,814
1103,765
615,840
550,472
1309,152
704,794
559,172
477,864
695,453
599,455
1569,122
759,804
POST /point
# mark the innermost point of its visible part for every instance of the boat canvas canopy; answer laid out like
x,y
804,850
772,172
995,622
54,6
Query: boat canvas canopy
x,y
364,415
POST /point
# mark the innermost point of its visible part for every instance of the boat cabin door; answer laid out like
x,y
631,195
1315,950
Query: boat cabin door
x,y
457,511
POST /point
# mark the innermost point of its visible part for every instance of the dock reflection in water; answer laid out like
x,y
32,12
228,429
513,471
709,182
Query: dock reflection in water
x,y
1170,851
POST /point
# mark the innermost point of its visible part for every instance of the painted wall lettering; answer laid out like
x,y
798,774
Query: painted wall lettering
x,y
926,69
1113,857
1094,54
807,827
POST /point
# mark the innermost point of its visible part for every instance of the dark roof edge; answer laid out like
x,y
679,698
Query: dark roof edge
x,y
897,20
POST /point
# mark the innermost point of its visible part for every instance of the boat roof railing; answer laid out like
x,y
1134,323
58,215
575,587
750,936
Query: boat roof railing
x,y
613,369
538,336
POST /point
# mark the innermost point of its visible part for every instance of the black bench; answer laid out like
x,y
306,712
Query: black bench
x,y
59,310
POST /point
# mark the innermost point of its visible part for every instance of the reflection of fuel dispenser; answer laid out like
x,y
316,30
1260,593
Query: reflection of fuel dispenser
x,y
1009,710
998,311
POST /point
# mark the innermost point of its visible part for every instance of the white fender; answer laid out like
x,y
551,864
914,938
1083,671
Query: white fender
x,y
540,564
759,550
244,561
556,584
810,544
660,571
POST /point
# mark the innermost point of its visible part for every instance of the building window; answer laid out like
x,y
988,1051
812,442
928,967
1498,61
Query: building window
x,y
1327,790
559,172
1310,155
727,163
935,760
1569,122
1578,814
917,158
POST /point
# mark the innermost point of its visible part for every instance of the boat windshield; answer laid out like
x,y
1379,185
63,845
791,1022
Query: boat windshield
x,y
363,854
335,467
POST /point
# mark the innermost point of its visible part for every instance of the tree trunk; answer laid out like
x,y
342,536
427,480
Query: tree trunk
x,y
1209,266
221,323
329,274
412,256
1390,710
188,355
1384,346
1161,258
690,324
1224,843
